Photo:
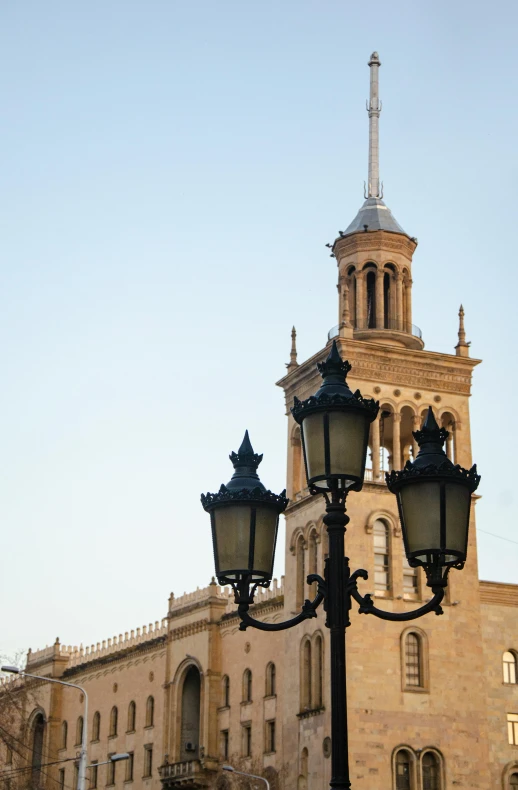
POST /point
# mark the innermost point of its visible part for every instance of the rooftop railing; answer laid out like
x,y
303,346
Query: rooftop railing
x,y
395,326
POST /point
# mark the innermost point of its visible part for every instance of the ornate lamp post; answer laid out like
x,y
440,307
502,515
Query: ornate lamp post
x,y
434,499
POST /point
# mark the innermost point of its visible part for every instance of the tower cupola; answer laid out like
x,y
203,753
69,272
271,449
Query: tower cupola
x,y
374,257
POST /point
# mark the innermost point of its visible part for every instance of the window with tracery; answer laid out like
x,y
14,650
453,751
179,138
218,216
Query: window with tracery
x,y
132,716
413,661
96,726
114,715
404,771
247,686
270,680
509,667
430,770
381,556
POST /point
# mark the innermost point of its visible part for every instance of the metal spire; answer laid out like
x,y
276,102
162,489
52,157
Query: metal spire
x,y
374,109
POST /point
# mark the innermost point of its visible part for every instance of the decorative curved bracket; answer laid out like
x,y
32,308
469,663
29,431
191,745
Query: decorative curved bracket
x,y
367,604
309,609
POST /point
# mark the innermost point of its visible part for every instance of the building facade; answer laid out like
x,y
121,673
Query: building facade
x,y
433,704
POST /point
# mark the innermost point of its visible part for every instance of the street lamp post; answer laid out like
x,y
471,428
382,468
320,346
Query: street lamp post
x,y
433,497
81,776
251,776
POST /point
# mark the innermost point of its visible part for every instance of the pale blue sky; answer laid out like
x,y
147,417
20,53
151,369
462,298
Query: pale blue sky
x,y
171,172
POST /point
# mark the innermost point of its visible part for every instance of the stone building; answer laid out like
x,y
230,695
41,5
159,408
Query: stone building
x,y
433,704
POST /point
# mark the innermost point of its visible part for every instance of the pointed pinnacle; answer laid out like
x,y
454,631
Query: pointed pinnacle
x,y
430,423
334,354
246,446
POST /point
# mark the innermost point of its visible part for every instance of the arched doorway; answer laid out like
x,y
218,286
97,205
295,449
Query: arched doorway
x,y
190,726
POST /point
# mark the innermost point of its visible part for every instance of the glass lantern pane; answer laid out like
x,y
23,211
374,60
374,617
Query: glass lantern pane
x,y
265,529
232,527
348,436
313,429
458,500
421,504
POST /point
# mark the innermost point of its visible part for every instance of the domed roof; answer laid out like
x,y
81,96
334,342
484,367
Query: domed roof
x,y
376,216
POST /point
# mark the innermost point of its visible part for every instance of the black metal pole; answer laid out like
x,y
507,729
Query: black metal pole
x,y
337,577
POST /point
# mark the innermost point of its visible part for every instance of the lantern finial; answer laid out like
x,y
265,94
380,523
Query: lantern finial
x,y
431,439
245,463
334,364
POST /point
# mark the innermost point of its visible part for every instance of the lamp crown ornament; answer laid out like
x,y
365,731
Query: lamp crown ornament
x,y
335,369
245,463
430,439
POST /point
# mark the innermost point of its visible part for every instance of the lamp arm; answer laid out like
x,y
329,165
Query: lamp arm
x,y
309,609
367,604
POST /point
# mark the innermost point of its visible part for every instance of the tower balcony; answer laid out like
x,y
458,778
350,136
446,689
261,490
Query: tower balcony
x,y
393,332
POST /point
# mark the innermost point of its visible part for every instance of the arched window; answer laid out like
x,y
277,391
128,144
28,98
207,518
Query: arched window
x,y
316,684
150,711
381,557
404,771
301,571
413,661
371,299
114,715
270,680
225,688
38,736
190,721
313,558
513,781
430,770
64,735
132,717
79,731
96,726
299,474
247,685
305,679
509,667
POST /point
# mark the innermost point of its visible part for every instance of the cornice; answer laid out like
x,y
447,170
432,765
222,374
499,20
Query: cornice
x,y
376,241
425,370
499,593
121,655
189,629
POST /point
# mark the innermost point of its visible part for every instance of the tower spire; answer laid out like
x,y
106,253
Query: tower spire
x,y
462,348
293,353
374,109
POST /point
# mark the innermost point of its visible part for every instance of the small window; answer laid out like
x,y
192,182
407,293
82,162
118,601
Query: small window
x,y
300,558
79,731
150,711
431,772
410,581
247,686
403,771
224,744
509,667
96,726
93,775
64,735
305,675
132,716
512,728
61,780
110,770
317,684
76,774
129,768
246,744
381,557
225,689
114,715
270,680
9,755
148,760
270,737
413,661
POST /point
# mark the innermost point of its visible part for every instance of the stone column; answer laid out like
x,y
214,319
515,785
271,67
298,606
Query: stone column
x,y
396,441
408,316
416,424
376,447
392,308
399,302
449,442
380,311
